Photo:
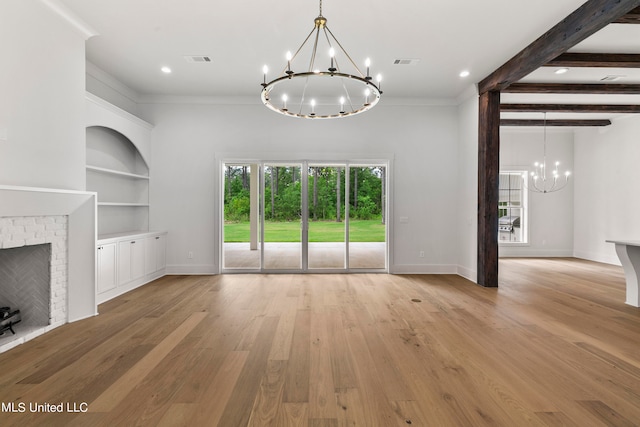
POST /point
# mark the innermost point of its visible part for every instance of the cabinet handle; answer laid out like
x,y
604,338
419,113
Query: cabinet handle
x,y
157,237
133,242
99,247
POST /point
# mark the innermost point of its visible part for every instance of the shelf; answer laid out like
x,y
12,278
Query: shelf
x,y
135,205
116,172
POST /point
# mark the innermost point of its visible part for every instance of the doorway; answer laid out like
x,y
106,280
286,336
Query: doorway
x,y
304,216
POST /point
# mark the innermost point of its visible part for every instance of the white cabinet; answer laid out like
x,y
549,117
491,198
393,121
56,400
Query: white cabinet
x,y
127,261
155,254
106,260
130,260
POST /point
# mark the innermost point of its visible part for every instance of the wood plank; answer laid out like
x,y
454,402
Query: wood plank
x,y
555,123
322,399
570,108
575,88
213,402
238,410
296,389
125,384
178,415
265,408
488,179
595,60
632,17
585,21
607,415
294,415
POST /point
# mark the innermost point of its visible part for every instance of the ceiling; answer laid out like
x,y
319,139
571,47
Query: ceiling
x,y
136,38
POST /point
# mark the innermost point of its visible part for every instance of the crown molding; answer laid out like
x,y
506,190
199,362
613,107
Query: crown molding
x,y
107,79
71,18
117,110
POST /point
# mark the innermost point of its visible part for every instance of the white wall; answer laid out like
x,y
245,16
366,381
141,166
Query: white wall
x,y
606,194
551,215
41,98
422,141
111,90
467,215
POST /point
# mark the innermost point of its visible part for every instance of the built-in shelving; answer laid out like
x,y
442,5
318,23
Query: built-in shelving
x,y
133,205
119,174
128,255
116,172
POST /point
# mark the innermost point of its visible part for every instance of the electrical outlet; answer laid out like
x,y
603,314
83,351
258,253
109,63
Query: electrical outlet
x,y
421,254
190,255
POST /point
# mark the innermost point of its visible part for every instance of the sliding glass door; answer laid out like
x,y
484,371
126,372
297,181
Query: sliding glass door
x,y
367,217
304,216
282,198
327,223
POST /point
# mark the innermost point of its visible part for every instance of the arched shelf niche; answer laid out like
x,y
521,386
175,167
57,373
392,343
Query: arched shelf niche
x,y
117,171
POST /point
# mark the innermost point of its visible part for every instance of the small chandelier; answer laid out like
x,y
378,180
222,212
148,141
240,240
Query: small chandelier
x,y
321,93
537,181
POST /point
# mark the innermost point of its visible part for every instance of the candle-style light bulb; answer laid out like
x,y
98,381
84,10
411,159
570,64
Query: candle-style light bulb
x,y
367,92
379,79
289,57
284,101
332,54
265,70
342,105
367,64
313,105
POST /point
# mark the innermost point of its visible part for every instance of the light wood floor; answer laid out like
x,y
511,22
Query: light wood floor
x,y
554,345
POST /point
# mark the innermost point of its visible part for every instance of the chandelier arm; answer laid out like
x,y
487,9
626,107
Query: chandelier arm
x,y
315,48
300,48
344,51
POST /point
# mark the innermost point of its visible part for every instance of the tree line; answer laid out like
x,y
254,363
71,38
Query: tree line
x,y
325,189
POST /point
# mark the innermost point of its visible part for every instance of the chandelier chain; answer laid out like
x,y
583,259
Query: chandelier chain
x,y
320,7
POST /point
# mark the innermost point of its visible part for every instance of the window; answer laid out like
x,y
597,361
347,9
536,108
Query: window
x,y
512,208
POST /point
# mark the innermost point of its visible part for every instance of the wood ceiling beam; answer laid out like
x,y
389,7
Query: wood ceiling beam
x,y
596,60
632,17
589,18
569,108
554,123
575,88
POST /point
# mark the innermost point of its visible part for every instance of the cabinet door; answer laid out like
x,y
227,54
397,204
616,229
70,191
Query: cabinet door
x,y
124,262
155,256
150,258
106,267
161,252
137,258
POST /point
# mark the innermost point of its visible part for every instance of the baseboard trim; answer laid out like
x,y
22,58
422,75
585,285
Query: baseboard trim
x,y
597,257
192,269
423,269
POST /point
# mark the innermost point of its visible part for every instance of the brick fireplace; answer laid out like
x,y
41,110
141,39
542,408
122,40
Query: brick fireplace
x,y
33,272
63,223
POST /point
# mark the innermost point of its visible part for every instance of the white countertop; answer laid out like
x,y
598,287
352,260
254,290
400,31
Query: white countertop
x,y
625,242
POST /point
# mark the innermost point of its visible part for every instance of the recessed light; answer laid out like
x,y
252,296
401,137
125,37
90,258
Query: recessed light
x,y
165,70
561,70
464,73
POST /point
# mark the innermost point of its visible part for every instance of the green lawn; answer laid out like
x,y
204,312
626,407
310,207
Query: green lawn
x,y
319,231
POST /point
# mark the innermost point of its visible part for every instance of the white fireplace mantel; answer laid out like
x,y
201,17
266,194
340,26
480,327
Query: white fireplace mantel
x,y
80,207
